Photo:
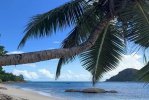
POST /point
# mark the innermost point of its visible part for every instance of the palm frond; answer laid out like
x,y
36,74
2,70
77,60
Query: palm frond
x,y
143,25
99,53
70,41
136,18
105,54
141,4
74,39
135,24
143,74
78,35
44,24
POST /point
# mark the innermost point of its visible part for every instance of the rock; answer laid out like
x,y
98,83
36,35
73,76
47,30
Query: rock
x,y
3,88
93,90
72,90
112,91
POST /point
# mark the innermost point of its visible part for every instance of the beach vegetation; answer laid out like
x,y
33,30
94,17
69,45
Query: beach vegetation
x,y
7,77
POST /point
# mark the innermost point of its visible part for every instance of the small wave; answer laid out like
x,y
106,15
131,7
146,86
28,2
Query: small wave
x,y
43,93
39,92
27,89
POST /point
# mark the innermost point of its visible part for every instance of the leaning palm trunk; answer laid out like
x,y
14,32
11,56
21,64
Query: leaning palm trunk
x,y
31,57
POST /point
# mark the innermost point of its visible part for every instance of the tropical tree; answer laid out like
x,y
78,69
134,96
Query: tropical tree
x,y
2,52
101,29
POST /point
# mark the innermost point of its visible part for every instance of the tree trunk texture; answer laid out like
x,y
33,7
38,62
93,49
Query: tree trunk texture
x,y
32,57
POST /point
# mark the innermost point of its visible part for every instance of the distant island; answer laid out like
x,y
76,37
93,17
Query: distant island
x,y
123,76
9,77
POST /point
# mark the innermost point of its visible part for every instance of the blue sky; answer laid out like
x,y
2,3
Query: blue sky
x,y
14,15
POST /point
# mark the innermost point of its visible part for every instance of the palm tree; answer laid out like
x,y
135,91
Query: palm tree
x,y
101,29
2,52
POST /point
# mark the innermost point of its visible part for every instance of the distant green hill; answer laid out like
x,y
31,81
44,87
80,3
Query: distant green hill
x,y
125,75
9,77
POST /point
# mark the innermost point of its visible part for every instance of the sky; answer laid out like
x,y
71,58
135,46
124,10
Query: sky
x,y
14,16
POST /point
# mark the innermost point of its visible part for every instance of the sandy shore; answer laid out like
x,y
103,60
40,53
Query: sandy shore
x,y
12,93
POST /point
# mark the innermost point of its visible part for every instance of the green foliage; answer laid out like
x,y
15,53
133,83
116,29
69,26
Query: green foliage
x,y
78,35
44,24
105,54
137,25
5,77
2,50
1,81
143,74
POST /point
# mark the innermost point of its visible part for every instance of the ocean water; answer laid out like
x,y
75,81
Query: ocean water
x,y
126,90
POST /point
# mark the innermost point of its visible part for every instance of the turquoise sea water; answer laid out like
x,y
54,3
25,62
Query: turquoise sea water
x,y
126,91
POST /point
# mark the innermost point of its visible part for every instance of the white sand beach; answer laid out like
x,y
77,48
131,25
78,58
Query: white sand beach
x,y
11,93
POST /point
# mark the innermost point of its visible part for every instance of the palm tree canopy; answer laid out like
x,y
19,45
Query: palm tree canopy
x,y
101,28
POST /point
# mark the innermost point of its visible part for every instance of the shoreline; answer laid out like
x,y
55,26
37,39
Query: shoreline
x,y
14,93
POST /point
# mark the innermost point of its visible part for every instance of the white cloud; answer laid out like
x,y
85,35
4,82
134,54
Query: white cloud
x,y
15,52
135,56
46,73
69,75
27,74
30,65
51,48
56,42
128,61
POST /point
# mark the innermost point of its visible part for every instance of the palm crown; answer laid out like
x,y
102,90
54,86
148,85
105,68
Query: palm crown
x,y
117,20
